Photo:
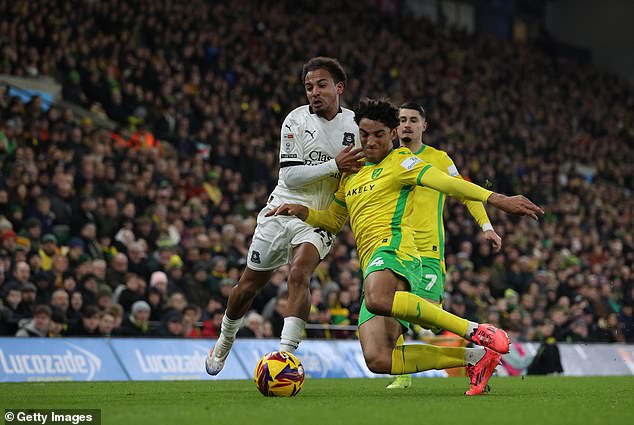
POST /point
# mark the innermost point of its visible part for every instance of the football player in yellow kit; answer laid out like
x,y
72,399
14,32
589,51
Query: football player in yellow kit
x,y
378,201
428,222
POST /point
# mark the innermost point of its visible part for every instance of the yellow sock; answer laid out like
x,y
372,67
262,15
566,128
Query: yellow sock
x,y
412,308
419,357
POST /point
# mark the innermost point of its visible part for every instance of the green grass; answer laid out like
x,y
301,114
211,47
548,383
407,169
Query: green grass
x,y
533,400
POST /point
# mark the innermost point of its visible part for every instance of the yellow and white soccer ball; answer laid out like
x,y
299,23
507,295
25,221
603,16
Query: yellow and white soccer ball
x,y
279,374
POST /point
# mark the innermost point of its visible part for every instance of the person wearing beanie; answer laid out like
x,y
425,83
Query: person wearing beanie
x,y
137,323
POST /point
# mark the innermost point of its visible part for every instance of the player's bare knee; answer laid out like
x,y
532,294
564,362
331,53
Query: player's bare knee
x,y
248,288
377,304
298,277
378,363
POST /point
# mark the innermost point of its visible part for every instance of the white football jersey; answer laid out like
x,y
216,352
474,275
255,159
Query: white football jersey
x,y
308,139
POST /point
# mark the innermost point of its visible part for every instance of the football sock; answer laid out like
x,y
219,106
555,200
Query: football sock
x,y
419,357
471,328
291,334
399,341
474,355
412,308
229,327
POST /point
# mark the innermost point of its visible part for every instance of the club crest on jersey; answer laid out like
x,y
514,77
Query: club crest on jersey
x,y
255,257
348,139
376,173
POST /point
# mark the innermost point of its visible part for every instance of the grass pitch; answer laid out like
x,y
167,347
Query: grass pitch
x,y
533,400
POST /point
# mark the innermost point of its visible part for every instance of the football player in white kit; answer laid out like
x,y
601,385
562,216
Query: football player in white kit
x,y
317,145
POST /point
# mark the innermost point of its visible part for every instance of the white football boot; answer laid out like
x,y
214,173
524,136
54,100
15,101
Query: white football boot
x,y
216,358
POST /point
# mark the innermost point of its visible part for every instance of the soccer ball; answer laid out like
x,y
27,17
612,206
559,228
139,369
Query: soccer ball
x,y
279,374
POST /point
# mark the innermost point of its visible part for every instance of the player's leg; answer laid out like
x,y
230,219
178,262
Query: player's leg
x,y
240,299
384,280
400,381
431,287
410,307
310,246
480,362
388,301
305,259
268,251
378,336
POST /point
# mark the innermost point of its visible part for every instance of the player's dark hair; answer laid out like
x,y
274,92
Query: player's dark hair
x,y
329,64
416,107
382,111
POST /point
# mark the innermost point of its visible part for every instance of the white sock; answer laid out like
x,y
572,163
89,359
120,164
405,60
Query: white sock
x,y
229,327
291,334
471,328
474,355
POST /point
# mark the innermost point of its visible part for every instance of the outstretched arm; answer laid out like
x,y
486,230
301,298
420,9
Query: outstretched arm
x,y
436,179
331,220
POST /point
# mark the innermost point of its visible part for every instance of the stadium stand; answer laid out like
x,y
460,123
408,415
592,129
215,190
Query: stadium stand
x,y
142,230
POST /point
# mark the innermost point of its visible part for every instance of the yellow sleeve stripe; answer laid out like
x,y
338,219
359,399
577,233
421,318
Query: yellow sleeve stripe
x,y
422,172
340,202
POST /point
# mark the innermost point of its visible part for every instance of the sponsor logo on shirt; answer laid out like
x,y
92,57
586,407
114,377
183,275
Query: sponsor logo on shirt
x,y
360,189
409,163
453,170
316,157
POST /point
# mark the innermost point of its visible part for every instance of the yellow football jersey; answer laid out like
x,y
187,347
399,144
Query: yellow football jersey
x,y
376,198
429,227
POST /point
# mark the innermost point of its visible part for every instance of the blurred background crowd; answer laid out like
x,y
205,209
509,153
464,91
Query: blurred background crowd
x,y
144,230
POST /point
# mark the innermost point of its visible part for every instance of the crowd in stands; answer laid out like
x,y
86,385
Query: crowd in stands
x,y
144,231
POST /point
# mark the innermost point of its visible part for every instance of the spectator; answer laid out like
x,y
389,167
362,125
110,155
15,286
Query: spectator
x,y
57,326
61,301
252,326
137,323
106,323
115,275
131,293
89,323
137,262
191,319
38,325
199,286
171,326
211,327
9,309
29,299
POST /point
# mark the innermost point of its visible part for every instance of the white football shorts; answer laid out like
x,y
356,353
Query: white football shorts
x,y
275,238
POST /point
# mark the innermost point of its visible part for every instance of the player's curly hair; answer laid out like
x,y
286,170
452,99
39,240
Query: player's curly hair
x,y
381,110
329,64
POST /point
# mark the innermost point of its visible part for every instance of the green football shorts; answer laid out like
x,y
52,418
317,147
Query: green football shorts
x,y
408,268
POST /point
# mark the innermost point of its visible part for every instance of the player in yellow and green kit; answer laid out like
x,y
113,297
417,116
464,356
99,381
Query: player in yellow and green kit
x,y
429,204
378,200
